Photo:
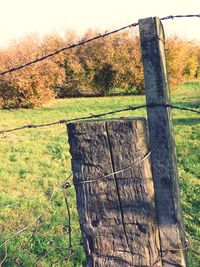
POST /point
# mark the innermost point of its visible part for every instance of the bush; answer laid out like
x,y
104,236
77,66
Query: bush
x,y
95,68
32,86
182,60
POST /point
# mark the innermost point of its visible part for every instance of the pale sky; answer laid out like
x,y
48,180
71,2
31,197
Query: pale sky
x,y
20,17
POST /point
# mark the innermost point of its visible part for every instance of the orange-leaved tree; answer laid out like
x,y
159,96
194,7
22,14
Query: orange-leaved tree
x,y
30,86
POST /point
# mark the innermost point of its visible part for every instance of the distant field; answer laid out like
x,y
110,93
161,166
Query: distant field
x,y
34,162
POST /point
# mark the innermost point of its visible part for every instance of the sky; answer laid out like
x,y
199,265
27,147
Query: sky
x,y
21,17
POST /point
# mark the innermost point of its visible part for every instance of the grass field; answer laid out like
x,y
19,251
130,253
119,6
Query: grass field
x,y
34,162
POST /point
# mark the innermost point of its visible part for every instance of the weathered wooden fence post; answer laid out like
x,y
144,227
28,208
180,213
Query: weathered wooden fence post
x,y
115,194
161,137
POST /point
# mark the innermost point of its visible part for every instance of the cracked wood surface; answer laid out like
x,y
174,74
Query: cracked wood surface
x,y
116,214
161,136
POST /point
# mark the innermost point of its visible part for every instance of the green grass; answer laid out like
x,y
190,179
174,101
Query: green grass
x,y
34,162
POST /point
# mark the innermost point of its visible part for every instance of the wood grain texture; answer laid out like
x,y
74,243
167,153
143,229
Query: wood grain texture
x,y
117,214
164,166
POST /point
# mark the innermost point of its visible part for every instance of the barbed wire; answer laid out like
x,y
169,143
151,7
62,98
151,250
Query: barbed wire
x,y
68,48
180,16
63,186
96,116
92,116
88,41
36,224
167,254
66,253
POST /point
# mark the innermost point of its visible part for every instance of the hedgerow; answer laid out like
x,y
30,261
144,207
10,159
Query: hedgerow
x,y
93,69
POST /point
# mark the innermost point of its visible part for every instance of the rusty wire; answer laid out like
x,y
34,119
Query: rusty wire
x,y
68,252
67,48
96,116
88,41
180,16
168,253
64,186
36,224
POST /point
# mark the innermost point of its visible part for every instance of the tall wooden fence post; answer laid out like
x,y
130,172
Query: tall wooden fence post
x,y
161,136
115,194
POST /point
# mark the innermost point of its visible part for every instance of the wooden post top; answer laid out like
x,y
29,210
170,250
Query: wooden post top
x,y
109,120
152,41
152,28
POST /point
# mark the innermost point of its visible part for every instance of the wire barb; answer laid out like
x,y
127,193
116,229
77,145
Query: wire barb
x,y
180,16
92,116
162,255
66,254
71,46
67,48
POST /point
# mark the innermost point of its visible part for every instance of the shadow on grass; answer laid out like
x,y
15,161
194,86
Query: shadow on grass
x,y
186,121
191,102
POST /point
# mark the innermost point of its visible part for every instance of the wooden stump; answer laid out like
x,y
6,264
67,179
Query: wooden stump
x,y
114,190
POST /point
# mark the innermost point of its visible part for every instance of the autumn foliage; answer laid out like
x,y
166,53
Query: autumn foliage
x,y
92,69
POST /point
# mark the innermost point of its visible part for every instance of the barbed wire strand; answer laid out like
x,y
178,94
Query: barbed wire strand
x,y
88,41
66,259
190,240
159,258
168,253
68,216
17,233
194,251
67,48
70,120
64,186
44,256
23,246
5,256
70,247
95,116
186,109
36,222
30,255
180,16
